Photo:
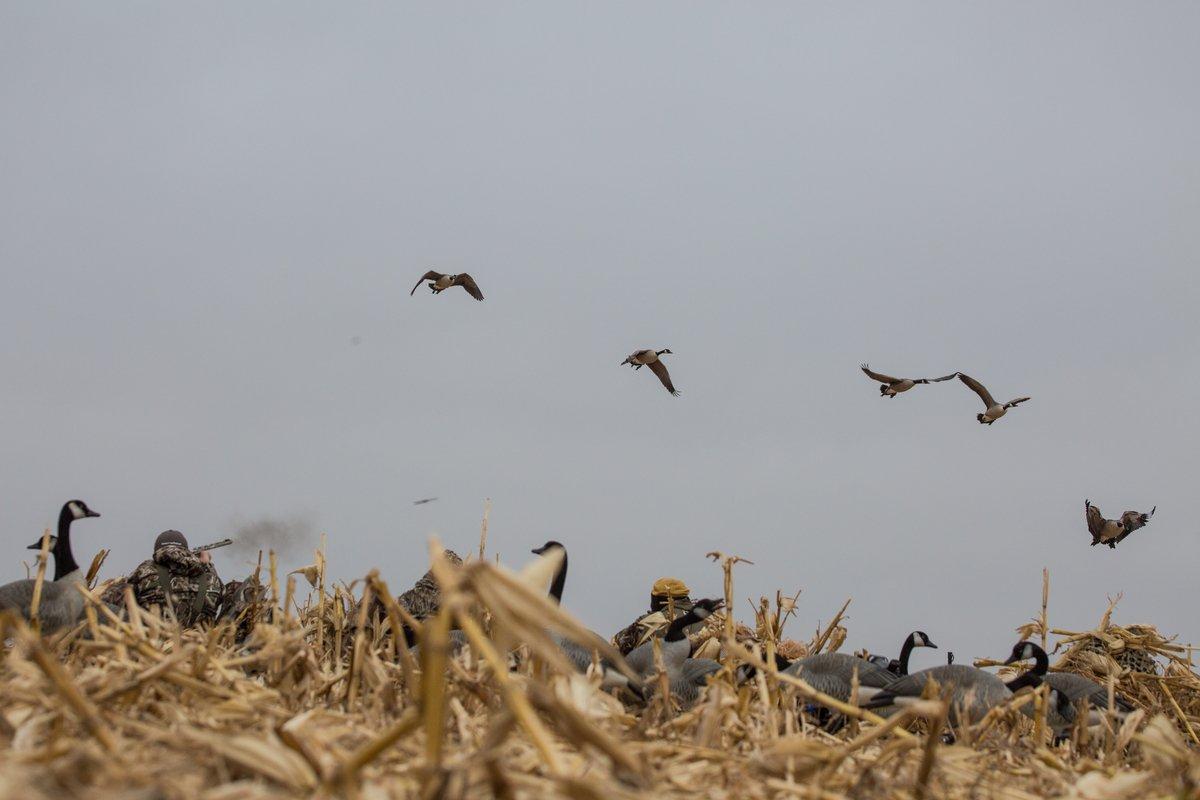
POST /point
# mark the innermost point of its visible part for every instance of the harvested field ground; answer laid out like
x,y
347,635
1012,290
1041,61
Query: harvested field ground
x,y
318,702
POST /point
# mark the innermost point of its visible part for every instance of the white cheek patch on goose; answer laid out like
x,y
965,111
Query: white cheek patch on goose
x,y
76,511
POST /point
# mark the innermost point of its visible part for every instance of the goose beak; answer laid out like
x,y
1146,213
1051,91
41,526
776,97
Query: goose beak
x,y
92,513
931,644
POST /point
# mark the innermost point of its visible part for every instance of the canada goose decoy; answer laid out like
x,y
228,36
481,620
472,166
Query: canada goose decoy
x,y
61,603
833,673
890,387
994,410
972,691
675,645
687,680
1073,691
899,666
1111,531
650,358
439,283
580,656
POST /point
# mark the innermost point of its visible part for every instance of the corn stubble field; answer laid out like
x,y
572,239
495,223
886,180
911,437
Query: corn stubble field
x,y
319,702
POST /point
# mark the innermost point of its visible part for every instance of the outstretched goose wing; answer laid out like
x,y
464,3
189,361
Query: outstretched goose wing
x,y
1017,402
1132,520
878,376
938,380
660,369
977,387
428,276
467,282
1095,520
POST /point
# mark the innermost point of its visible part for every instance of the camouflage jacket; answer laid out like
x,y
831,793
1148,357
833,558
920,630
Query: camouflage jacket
x,y
194,592
650,623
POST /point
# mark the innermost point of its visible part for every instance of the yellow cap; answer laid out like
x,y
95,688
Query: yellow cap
x,y
670,587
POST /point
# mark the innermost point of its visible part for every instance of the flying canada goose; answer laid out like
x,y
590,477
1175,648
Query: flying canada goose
x,y
580,656
833,673
423,501
439,283
972,691
890,387
994,410
650,358
61,603
1075,691
1111,531
675,645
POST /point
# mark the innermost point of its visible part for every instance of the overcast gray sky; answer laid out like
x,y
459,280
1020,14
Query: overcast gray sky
x,y
202,205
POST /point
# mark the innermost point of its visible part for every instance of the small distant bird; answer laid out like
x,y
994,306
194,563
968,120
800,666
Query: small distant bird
x,y
650,358
439,283
423,501
890,387
1111,531
994,410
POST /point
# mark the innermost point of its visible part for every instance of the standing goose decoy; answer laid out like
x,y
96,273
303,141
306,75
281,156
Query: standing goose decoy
x,y
439,283
890,387
675,645
972,691
833,673
650,358
899,666
994,410
580,656
61,603
1112,531
1068,692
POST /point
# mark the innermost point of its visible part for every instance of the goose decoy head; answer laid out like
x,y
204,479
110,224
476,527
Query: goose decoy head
x,y
80,510
548,546
703,609
921,639
37,545
1023,651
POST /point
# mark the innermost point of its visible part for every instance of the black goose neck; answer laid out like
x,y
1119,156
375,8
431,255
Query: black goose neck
x,y
64,559
560,579
675,630
905,653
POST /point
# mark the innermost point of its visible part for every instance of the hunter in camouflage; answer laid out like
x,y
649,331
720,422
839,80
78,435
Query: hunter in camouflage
x,y
668,599
179,580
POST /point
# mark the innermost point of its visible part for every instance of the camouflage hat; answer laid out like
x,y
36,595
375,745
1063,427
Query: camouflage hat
x,y
170,537
669,587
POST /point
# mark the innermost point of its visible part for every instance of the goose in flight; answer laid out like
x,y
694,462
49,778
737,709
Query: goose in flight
x,y
650,358
890,387
439,283
994,410
1111,531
